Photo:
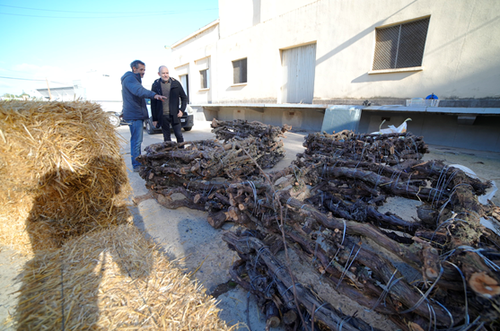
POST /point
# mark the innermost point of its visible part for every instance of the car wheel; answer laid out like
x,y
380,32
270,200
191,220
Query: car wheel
x,y
149,129
188,128
114,120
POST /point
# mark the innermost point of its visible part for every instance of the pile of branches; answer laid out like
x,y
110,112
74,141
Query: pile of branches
x,y
440,271
392,149
194,168
267,138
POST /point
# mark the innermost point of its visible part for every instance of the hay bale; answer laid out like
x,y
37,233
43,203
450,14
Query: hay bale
x,y
61,171
113,279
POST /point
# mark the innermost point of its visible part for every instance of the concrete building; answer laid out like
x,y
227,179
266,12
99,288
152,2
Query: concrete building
x,y
336,64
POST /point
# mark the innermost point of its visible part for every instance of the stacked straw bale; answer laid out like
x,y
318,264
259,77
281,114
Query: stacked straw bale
x,y
61,173
114,279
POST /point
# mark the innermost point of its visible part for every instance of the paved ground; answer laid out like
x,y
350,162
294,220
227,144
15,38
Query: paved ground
x,y
185,234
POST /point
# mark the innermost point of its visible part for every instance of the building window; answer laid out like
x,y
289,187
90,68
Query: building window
x,y
400,46
185,83
204,78
240,71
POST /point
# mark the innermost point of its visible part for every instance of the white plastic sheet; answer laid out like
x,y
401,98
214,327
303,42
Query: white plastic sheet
x,y
392,129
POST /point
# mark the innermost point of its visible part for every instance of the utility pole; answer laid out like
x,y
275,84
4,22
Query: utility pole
x,y
48,87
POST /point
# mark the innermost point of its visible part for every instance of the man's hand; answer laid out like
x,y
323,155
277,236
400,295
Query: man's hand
x,y
179,114
160,97
155,123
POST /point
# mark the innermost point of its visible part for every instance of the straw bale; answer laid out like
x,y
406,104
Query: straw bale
x,y
61,171
114,279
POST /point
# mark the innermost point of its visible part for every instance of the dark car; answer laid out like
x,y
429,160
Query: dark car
x,y
187,120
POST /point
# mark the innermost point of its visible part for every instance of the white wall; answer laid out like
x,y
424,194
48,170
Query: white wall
x,y
460,58
192,55
238,15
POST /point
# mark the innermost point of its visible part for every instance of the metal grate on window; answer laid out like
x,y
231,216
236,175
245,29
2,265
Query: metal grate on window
x,y
240,71
400,46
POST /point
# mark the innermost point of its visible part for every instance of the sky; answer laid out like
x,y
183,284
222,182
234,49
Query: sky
x,y
58,42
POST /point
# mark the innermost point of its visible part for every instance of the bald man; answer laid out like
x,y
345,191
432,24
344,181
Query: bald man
x,y
167,112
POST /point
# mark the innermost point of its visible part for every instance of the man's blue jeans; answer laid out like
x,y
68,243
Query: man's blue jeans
x,y
135,141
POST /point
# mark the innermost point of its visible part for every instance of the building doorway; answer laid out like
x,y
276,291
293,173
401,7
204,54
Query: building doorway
x,y
298,67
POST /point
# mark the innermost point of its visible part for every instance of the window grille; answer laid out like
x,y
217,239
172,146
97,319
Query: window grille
x,y
204,78
400,46
240,71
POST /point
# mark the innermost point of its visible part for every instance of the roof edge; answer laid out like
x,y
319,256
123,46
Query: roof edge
x,y
194,34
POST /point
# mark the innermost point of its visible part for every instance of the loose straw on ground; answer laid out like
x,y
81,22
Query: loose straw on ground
x,y
114,279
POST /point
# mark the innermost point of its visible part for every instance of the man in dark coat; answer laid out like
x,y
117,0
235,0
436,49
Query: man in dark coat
x,y
134,106
168,112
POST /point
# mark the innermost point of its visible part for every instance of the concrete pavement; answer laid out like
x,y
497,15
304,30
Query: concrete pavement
x,y
185,234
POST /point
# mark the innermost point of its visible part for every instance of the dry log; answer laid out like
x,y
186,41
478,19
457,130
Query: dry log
x,y
446,177
286,303
366,295
289,317
270,149
400,292
387,184
336,161
386,148
483,278
272,315
217,219
330,195
351,228
177,198
361,212
323,313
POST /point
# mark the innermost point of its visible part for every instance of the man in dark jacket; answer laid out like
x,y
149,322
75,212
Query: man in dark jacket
x,y
134,106
167,112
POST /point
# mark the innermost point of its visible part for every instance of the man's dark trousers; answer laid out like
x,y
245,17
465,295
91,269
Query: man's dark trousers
x,y
165,128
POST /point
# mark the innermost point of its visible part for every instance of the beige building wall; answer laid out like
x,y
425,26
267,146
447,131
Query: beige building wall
x,y
194,53
460,58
